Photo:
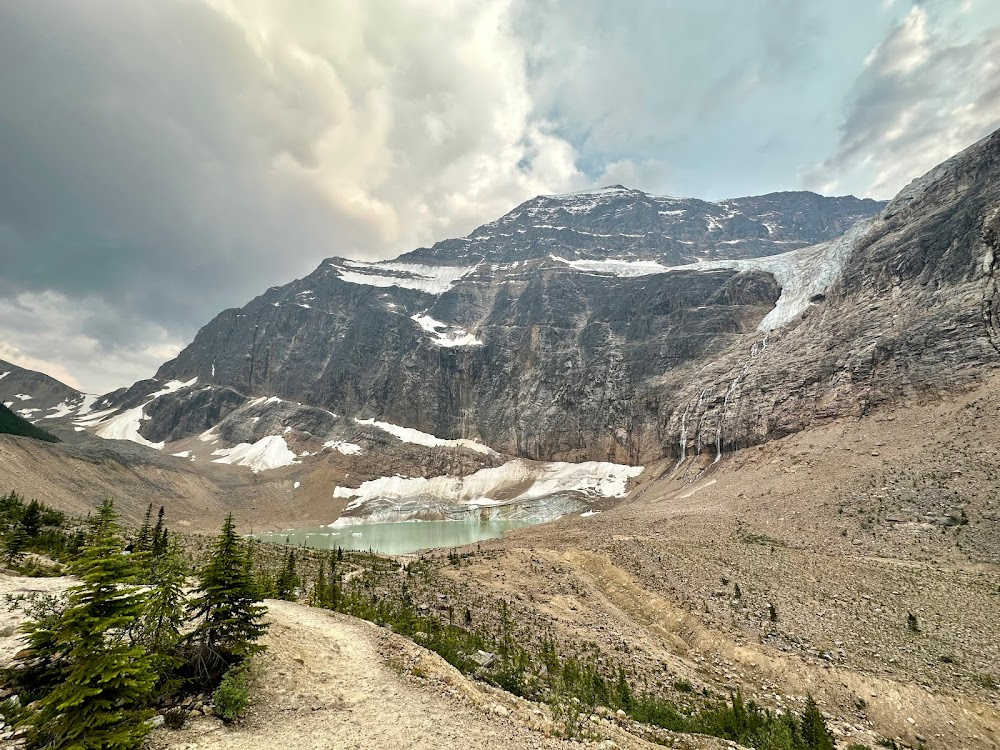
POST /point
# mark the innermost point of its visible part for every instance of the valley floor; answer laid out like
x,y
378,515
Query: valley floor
x,y
787,569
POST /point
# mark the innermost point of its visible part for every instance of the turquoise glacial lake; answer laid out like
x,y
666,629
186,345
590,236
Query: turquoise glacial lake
x,y
398,538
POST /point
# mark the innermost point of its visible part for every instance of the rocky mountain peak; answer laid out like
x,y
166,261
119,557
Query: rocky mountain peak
x,y
618,222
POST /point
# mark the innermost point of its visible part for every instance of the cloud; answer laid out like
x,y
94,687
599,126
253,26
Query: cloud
x,y
169,159
161,160
68,339
927,91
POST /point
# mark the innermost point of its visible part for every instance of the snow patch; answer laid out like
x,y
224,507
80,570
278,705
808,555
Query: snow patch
x,y
62,409
171,387
409,435
85,406
516,481
271,452
348,449
4,374
125,426
22,396
429,279
455,337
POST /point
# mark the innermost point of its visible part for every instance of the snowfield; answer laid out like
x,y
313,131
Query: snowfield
x,y
430,279
271,452
516,481
802,274
409,435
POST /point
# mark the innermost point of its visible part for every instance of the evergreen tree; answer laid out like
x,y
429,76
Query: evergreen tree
x,y
321,595
164,616
144,541
164,544
335,582
227,608
288,580
31,521
159,541
15,544
99,680
815,735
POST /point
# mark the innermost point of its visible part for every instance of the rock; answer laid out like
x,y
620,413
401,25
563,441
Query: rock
x,y
499,710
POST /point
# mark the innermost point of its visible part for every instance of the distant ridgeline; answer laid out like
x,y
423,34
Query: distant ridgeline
x,y
11,424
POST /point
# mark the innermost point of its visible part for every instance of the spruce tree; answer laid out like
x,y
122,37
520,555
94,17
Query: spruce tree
x,y
288,580
31,521
226,607
321,596
159,541
815,735
144,541
100,681
164,616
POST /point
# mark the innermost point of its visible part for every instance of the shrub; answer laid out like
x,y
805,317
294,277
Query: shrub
x,y
174,718
232,696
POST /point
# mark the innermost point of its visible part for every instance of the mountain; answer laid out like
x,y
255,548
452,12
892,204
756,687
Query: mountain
x,y
12,424
610,327
37,397
540,334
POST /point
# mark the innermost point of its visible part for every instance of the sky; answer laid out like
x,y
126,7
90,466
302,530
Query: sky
x,y
162,160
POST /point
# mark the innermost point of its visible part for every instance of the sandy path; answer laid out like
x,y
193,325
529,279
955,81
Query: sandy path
x,y
331,681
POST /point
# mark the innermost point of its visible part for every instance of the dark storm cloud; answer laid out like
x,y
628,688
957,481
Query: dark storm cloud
x,y
136,143
170,158
163,159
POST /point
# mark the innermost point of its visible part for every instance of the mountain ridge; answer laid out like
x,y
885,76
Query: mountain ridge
x,y
608,352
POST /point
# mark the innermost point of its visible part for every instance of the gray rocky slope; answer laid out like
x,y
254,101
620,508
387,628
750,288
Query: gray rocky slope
x,y
508,336
608,325
36,396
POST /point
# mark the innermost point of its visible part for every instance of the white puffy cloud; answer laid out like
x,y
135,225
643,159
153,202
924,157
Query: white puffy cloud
x,y
169,159
68,339
928,90
165,159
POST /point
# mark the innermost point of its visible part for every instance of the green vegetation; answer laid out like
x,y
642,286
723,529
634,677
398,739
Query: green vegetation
x,y
573,683
128,639
232,697
92,683
226,609
103,655
12,424
31,527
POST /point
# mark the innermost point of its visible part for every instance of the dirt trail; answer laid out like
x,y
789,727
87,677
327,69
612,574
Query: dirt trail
x,y
330,681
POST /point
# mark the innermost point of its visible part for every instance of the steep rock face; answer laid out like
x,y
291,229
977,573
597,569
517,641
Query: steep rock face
x,y
555,373
618,326
913,312
502,336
